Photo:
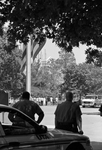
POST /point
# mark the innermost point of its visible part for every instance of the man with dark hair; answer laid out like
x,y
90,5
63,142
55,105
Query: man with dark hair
x,y
28,107
68,115
25,95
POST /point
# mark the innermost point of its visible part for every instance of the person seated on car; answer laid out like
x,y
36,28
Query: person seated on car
x,y
68,115
28,107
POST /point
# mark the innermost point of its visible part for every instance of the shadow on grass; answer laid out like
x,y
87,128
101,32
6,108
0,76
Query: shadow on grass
x,y
96,145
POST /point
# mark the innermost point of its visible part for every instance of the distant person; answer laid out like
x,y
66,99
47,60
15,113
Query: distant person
x,y
100,110
68,115
28,107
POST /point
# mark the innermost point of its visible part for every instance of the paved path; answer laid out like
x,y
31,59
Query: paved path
x,y
92,124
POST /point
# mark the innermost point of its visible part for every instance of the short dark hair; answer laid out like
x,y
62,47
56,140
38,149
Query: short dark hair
x,y
25,95
69,96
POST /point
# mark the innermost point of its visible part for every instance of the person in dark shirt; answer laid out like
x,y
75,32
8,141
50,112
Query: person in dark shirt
x,y
28,107
68,115
100,110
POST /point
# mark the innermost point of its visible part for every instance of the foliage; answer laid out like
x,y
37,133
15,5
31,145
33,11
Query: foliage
x,y
10,77
85,78
67,22
43,81
74,80
57,76
65,59
47,76
94,56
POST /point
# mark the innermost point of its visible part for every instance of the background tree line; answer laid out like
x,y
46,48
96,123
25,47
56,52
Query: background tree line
x,y
48,78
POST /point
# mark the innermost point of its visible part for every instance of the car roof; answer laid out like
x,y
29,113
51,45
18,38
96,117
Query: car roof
x,y
4,106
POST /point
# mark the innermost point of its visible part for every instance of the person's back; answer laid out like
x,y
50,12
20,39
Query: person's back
x,y
67,114
64,111
28,107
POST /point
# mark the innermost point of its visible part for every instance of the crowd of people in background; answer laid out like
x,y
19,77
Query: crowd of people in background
x,y
39,100
46,101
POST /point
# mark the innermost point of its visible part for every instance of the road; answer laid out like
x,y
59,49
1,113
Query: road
x,y
92,124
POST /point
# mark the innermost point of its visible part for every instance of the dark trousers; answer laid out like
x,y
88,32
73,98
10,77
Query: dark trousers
x,y
67,126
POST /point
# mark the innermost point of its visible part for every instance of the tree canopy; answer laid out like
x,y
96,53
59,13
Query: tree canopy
x,y
67,22
85,78
48,78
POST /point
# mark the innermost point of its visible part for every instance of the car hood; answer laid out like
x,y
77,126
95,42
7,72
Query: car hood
x,y
66,135
87,100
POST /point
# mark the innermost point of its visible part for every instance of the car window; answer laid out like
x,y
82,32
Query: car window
x,y
99,97
89,97
15,124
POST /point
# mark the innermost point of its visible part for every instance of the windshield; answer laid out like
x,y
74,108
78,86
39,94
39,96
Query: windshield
x,y
90,97
19,122
100,97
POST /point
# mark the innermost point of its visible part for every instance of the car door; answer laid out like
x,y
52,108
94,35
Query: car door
x,y
30,142
3,142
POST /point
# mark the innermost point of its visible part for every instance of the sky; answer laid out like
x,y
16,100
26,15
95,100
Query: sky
x,y
50,50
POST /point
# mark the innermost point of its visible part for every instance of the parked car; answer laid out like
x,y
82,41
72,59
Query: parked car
x,y
33,136
92,100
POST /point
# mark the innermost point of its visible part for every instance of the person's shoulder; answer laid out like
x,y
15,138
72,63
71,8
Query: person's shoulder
x,y
16,104
100,108
75,105
61,103
33,103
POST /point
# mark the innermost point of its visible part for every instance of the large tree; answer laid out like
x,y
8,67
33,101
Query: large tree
x,y
10,77
85,78
74,80
44,79
67,22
